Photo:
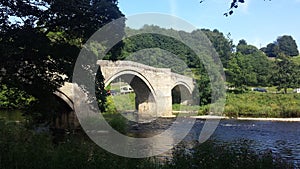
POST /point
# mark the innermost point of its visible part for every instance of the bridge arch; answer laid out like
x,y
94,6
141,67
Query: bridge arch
x,y
145,101
181,93
184,84
130,72
61,95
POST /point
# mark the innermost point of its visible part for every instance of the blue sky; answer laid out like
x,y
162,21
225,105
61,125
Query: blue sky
x,y
259,22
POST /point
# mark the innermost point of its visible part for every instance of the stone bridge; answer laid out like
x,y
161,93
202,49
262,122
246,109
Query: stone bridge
x,y
153,87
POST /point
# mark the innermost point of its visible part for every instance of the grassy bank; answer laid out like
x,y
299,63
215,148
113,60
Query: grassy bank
x,y
124,101
296,60
254,104
250,104
22,148
262,105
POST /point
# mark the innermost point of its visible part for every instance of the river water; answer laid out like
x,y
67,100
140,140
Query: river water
x,y
280,137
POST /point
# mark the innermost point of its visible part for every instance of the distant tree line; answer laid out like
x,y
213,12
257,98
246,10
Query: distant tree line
x,y
283,45
244,64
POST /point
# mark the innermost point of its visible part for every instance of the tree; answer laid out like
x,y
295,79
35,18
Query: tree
x,y
251,69
245,49
284,44
241,71
286,74
158,58
287,45
181,56
272,50
234,73
42,41
262,67
242,42
224,46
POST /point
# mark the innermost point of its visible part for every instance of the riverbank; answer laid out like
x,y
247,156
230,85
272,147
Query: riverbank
x,y
208,117
259,105
270,119
247,118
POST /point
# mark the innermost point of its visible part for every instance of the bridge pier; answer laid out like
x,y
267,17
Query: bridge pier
x,y
164,105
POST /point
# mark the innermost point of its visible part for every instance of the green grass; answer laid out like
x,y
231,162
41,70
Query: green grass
x,y
254,104
179,107
273,89
124,101
250,104
296,60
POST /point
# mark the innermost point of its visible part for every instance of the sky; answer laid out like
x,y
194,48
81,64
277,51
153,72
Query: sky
x,y
259,22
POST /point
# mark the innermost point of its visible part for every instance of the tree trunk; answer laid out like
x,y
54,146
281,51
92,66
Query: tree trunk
x,y
285,90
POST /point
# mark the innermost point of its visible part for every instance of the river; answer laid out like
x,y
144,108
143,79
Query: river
x,y
280,137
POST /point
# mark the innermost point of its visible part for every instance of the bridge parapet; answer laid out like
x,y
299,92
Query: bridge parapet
x,y
131,64
161,74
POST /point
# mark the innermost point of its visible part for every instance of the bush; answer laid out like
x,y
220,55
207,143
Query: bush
x,y
115,119
204,110
13,98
